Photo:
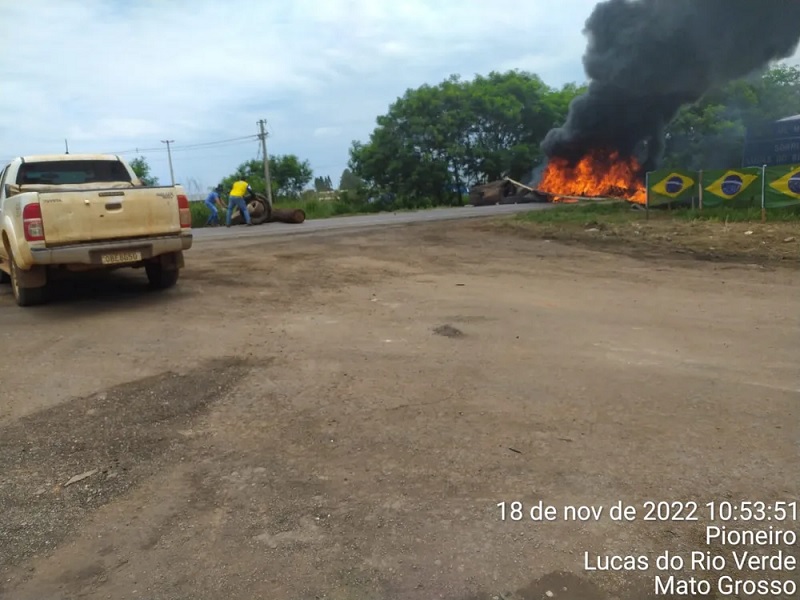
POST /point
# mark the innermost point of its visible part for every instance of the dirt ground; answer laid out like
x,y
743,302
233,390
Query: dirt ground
x,y
338,416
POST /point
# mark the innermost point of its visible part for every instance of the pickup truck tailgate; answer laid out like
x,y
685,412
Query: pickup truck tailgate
x,y
92,215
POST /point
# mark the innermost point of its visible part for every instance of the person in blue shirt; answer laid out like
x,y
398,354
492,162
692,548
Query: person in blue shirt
x,y
212,202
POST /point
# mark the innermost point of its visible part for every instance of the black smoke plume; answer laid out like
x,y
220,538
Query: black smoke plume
x,y
645,59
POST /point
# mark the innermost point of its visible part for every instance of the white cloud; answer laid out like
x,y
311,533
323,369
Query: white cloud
x,y
112,75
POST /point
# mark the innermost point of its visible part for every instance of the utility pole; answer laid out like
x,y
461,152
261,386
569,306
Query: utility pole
x,y
66,145
169,156
263,137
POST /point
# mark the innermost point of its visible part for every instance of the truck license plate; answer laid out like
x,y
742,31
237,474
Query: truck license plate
x,y
121,257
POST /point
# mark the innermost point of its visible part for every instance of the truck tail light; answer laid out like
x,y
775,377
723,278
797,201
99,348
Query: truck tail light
x,y
32,224
185,212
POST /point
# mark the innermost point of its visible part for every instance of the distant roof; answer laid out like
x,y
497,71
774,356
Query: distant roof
x,y
794,118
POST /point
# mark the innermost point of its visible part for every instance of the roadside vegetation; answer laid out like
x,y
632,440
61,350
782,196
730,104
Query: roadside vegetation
x,y
711,233
316,207
313,207
617,211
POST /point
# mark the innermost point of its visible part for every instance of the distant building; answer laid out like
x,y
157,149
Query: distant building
x,y
777,143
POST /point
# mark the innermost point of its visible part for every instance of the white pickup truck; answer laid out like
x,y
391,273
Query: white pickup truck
x,y
76,212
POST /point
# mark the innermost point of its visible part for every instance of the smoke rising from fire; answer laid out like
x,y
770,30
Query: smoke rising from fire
x,y
647,58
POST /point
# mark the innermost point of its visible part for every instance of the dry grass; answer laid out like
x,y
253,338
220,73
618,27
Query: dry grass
x,y
717,235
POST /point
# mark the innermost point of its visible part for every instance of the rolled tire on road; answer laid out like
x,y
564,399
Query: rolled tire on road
x,y
258,207
287,215
259,210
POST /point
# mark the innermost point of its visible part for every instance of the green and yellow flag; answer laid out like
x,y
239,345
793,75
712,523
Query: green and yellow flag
x,y
668,185
783,186
673,185
739,185
788,185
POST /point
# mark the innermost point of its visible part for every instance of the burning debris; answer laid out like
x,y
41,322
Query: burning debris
x,y
504,191
645,60
597,175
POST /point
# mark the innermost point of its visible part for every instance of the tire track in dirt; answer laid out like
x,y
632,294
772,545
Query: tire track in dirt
x,y
118,437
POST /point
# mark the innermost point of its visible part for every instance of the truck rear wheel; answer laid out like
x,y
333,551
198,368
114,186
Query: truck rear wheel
x,y
160,277
5,277
25,296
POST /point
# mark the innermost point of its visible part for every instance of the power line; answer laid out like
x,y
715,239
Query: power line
x,y
194,153
200,145
137,151
187,146
243,153
212,146
219,142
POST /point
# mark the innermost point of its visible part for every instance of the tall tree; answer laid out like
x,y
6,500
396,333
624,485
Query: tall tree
x,y
323,184
140,166
349,181
288,174
434,140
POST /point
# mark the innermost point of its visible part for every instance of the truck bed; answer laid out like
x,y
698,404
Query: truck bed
x,y
97,212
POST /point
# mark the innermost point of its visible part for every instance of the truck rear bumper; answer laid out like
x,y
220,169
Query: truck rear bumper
x,y
93,253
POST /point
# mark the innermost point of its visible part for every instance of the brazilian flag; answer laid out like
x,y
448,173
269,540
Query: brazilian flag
x,y
731,184
669,186
783,186
788,185
732,187
673,185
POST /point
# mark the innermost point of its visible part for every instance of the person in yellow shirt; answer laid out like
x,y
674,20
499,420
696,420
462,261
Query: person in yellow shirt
x,y
236,200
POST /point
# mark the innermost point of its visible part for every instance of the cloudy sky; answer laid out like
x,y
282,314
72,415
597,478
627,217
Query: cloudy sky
x,y
122,75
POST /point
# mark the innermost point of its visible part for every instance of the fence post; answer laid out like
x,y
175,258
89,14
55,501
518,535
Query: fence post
x,y
763,193
700,189
647,196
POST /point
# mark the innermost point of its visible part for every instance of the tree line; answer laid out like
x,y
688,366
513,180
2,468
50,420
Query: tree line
x,y
289,176
437,141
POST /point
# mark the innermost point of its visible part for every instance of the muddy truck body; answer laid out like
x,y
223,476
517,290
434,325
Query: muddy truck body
x,y
77,212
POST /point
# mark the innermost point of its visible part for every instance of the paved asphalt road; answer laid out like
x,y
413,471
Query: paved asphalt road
x,y
364,221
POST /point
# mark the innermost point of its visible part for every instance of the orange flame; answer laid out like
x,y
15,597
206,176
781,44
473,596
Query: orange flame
x,y
596,175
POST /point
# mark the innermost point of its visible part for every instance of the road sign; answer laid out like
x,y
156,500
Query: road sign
x,y
781,151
